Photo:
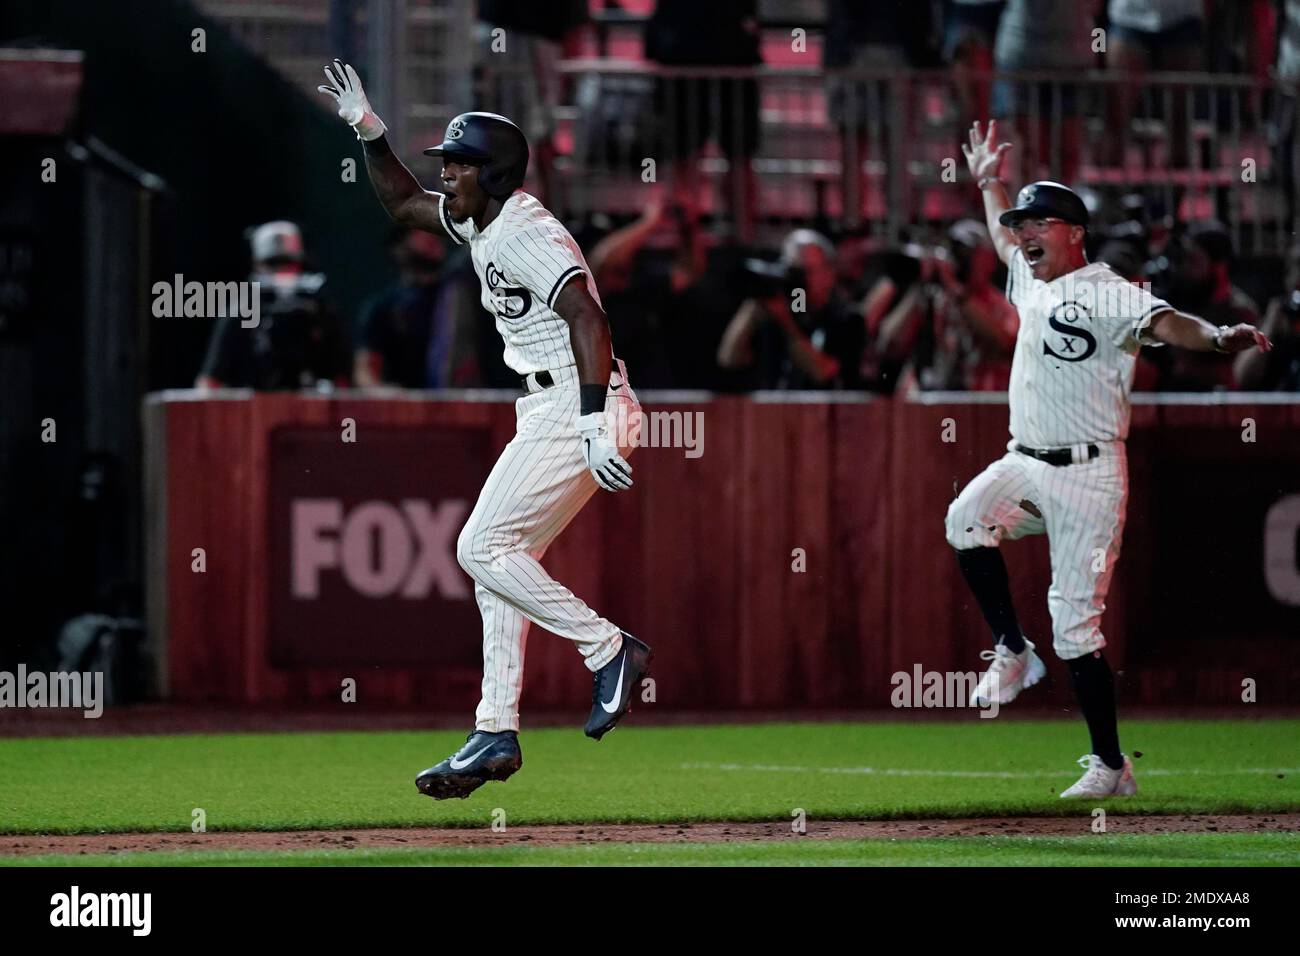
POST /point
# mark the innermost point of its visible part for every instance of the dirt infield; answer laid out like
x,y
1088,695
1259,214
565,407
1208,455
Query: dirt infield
x,y
413,838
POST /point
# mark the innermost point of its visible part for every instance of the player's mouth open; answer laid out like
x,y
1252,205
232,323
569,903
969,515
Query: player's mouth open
x,y
1033,253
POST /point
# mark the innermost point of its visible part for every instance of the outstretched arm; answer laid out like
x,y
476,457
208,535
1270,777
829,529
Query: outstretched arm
x,y
398,190
1194,333
985,163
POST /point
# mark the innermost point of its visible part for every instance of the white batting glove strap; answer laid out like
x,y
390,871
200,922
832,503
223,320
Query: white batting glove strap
x,y
608,467
354,108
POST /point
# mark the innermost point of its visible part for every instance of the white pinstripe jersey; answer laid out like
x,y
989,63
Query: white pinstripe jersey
x,y
523,259
1075,353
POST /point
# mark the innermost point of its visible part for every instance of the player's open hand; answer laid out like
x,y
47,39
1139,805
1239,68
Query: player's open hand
x,y
1243,336
354,108
982,157
608,467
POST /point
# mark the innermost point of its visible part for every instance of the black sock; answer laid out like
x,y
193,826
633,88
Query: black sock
x,y
1094,685
986,573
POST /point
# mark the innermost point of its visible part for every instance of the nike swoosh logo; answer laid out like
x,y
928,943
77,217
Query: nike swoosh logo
x,y
462,764
618,691
615,388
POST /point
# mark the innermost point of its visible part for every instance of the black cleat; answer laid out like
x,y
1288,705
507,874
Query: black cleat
x,y
614,684
485,756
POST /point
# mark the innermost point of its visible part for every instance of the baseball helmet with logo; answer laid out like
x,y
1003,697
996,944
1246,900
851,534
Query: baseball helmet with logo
x,y
491,142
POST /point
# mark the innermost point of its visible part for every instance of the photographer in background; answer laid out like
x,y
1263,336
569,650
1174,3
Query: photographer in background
x,y
796,331
938,321
645,293
298,341
971,335
406,333
1277,370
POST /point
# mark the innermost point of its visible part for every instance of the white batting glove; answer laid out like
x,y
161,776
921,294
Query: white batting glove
x,y
608,467
354,108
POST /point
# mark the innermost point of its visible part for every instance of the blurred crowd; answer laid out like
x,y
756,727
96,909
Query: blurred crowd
x,y
693,306
690,312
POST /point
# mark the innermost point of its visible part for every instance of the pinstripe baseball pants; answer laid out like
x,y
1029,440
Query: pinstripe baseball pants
x,y
1080,507
538,485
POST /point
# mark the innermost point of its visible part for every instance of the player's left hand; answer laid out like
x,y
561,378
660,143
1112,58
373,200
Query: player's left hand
x,y
1243,336
608,467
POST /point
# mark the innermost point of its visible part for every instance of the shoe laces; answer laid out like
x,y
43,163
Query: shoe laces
x,y
1001,658
468,738
1094,770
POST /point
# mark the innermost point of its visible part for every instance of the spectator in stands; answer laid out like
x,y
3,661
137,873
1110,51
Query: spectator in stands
x,y
519,75
1202,285
1044,35
1287,150
970,29
1278,369
642,293
298,341
801,334
1162,35
1125,252
406,332
687,33
873,115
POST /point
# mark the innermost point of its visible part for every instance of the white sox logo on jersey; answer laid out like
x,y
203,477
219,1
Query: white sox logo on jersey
x,y
1077,343
503,295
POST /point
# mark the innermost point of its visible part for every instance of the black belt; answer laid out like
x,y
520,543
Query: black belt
x,y
544,379
1055,456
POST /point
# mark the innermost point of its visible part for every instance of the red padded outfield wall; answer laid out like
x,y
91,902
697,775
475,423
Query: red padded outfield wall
x,y
325,559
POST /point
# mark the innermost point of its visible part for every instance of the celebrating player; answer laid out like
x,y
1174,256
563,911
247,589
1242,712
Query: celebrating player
x,y
1065,472
537,284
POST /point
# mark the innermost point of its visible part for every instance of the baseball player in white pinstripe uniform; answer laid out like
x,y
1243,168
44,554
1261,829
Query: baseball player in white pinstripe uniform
x,y
1065,471
569,425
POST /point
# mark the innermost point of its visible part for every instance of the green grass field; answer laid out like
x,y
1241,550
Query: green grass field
x,y
671,774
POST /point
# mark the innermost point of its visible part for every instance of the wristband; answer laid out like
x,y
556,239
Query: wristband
x,y
377,147
989,179
591,399
1218,339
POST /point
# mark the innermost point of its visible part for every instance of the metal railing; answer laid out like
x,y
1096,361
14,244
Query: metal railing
x,y
1193,145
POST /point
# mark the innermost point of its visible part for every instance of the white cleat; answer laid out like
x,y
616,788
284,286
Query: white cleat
x,y
1007,676
1100,781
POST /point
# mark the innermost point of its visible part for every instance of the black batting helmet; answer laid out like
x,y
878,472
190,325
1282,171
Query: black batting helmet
x,y
489,141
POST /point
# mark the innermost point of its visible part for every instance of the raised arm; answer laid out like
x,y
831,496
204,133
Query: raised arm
x,y
398,190
985,163
611,259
